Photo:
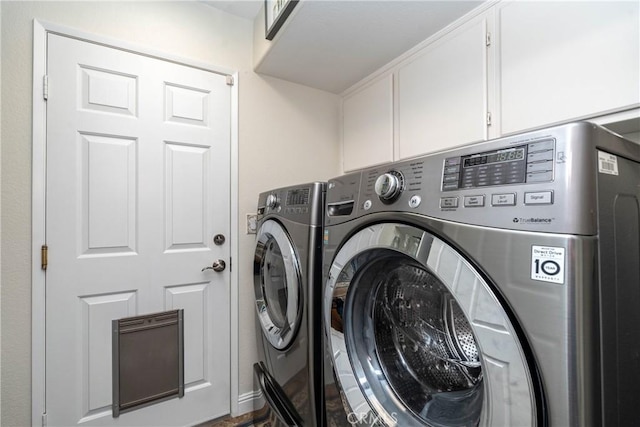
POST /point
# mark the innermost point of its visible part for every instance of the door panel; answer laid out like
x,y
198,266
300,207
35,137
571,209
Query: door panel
x,y
108,184
134,147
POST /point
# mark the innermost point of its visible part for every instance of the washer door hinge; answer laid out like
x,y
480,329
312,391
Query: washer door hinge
x,y
488,39
230,81
44,257
44,420
45,87
489,118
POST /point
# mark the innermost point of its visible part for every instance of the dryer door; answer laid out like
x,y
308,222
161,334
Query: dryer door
x,y
418,337
277,285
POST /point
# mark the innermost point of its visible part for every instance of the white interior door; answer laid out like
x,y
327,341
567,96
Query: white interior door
x,y
138,172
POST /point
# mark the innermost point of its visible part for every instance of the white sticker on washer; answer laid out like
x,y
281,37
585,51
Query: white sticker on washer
x,y
547,264
607,163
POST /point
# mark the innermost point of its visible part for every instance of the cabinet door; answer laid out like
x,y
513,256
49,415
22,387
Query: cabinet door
x,y
368,125
564,60
442,93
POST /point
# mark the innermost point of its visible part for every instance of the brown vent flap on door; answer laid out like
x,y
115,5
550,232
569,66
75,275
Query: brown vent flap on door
x,y
148,360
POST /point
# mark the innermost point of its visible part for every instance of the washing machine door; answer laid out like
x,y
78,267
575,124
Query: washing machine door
x,y
418,337
277,285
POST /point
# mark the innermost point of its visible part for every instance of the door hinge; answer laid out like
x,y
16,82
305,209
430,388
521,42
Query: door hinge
x,y
489,119
44,420
44,256
230,81
230,264
488,39
45,87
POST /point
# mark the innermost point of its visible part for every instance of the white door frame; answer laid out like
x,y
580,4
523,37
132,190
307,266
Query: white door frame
x,y
38,208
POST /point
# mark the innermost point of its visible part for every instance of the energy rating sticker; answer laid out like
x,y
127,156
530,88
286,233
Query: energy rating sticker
x,y
547,264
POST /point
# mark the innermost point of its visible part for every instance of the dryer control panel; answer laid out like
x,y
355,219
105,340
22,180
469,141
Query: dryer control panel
x,y
299,203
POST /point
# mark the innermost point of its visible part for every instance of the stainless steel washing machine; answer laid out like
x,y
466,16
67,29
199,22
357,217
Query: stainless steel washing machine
x,y
288,286
496,284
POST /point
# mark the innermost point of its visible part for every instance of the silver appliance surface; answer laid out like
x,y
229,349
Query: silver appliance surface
x,y
287,286
492,284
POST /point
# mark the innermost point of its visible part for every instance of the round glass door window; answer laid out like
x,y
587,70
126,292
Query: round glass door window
x,y
427,341
277,285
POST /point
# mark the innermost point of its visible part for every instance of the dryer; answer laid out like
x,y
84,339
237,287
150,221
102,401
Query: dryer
x,y
287,284
496,284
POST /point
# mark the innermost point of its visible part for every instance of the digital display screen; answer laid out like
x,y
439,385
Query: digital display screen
x,y
495,157
298,197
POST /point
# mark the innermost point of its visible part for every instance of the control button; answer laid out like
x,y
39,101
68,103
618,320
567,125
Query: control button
x,y
540,146
448,202
450,186
540,156
450,178
540,176
452,161
538,198
538,167
414,201
508,199
367,205
452,169
473,201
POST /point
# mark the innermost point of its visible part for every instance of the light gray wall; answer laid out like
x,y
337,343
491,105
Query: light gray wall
x,y
276,119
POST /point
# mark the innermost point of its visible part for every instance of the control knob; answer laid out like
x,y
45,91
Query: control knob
x,y
388,186
272,201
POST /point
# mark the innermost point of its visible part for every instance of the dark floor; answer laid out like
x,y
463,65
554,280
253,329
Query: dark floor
x,y
260,418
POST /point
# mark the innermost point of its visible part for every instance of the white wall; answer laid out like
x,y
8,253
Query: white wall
x,y
0,216
276,119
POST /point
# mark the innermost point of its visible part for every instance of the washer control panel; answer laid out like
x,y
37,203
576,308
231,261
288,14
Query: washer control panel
x,y
544,180
517,182
527,163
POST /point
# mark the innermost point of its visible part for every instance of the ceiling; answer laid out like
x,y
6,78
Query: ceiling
x,y
333,44
247,9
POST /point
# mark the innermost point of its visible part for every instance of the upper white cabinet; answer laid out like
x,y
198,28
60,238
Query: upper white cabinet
x,y
564,60
443,92
507,67
332,45
368,125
